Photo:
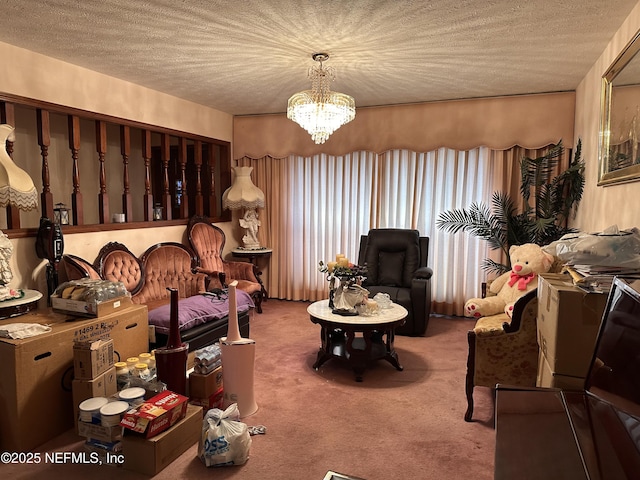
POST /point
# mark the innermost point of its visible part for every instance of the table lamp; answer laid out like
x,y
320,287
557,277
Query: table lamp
x,y
16,189
244,194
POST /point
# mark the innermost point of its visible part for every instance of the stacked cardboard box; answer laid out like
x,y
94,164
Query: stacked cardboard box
x,y
94,373
206,390
37,372
568,323
205,382
150,455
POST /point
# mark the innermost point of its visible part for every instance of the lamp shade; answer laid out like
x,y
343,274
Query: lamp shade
x,y
16,186
243,193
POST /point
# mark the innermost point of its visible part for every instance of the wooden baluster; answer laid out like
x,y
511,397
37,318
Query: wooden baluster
x,y
101,147
77,208
197,158
7,114
125,149
182,160
44,140
146,156
211,162
165,152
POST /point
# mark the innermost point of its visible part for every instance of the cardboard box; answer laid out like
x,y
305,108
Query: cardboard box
x,y
568,323
89,309
98,432
213,401
37,372
156,414
105,385
150,456
91,359
203,386
549,379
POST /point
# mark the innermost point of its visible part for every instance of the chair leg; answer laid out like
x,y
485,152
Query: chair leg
x,y
469,413
257,300
471,337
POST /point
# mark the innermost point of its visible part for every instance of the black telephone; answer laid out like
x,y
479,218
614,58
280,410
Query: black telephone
x,y
50,245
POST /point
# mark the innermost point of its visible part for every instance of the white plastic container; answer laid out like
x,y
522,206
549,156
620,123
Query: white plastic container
x,y
90,409
131,362
112,412
134,396
144,357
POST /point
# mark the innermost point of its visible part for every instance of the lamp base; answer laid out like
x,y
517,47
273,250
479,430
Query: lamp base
x,y
250,223
20,306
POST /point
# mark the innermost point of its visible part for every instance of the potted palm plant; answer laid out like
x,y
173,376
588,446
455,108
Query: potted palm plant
x,y
548,203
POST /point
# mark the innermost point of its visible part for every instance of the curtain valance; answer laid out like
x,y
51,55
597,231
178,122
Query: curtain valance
x,y
531,121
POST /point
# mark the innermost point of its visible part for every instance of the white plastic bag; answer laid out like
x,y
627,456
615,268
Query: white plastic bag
x,y
612,247
224,440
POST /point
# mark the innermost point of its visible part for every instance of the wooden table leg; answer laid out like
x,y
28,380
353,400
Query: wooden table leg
x,y
391,354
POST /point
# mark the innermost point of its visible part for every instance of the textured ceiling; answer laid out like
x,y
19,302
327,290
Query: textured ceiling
x,y
248,57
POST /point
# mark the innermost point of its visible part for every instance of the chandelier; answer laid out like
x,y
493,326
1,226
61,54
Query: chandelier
x,y
319,110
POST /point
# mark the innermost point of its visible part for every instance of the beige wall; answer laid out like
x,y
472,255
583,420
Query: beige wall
x,y
35,76
43,78
602,207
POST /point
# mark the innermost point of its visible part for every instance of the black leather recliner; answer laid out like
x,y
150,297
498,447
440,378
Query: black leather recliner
x,y
396,261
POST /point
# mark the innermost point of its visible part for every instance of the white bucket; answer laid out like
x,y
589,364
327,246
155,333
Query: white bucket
x,y
134,396
90,409
112,413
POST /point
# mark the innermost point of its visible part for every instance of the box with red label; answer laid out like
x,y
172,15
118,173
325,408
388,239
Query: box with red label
x,y
205,385
156,414
213,401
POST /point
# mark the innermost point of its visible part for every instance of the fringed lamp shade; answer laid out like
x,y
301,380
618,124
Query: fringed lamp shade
x,y
16,186
243,193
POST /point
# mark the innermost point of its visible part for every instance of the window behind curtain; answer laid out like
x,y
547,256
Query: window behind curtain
x,y
319,206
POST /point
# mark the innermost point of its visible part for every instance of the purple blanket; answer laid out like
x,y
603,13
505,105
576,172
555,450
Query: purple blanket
x,y
198,309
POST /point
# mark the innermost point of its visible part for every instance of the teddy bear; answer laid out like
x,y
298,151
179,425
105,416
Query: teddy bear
x,y
527,261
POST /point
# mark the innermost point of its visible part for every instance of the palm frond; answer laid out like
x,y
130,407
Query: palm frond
x,y
491,266
535,172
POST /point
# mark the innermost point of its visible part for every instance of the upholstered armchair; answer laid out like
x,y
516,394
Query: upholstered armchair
x,y
503,350
207,240
396,261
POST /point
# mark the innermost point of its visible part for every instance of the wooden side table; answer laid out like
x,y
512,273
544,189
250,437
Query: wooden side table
x,y
253,256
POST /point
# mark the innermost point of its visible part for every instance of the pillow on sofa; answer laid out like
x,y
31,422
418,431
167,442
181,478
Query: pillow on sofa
x,y
198,309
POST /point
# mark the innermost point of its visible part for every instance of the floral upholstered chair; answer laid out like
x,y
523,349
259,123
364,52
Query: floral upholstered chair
x,y
502,350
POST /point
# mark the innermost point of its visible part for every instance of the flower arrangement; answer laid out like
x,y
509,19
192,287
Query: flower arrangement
x,y
342,268
350,277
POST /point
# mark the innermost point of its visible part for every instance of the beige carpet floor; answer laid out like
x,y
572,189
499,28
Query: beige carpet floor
x,y
393,425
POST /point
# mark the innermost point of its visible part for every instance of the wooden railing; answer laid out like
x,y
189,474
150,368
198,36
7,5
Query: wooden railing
x,y
184,174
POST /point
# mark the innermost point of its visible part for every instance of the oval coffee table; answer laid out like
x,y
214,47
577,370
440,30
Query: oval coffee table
x,y
340,339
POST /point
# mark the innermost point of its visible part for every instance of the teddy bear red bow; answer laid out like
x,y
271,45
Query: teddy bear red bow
x,y
527,261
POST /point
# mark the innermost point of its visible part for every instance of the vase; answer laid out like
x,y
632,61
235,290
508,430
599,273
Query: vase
x,y
171,361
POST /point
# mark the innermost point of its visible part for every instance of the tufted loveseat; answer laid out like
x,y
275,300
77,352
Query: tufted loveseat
x,y
147,278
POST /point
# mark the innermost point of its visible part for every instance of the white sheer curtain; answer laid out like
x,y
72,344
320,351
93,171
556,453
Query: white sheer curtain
x,y
320,206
